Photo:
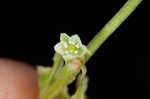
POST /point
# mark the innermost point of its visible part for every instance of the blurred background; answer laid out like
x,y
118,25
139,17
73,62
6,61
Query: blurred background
x,y
116,70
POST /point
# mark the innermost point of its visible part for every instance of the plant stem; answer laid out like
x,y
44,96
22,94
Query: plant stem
x,y
111,26
80,92
58,63
67,76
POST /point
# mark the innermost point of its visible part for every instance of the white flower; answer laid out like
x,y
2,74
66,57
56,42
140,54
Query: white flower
x,y
70,47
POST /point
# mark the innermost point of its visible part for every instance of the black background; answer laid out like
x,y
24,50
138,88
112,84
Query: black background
x,y
118,69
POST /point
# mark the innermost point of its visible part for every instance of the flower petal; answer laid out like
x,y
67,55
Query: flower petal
x,y
75,38
64,37
81,51
58,48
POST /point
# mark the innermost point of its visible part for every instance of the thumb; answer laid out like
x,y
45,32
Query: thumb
x,y
18,80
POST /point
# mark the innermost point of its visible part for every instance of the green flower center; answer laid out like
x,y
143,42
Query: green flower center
x,y
72,47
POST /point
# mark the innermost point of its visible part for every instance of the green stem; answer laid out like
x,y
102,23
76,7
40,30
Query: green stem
x,y
80,92
57,66
67,76
58,63
84,71
111,26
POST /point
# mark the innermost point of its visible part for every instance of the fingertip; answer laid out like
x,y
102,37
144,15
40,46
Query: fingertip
x,y
18,80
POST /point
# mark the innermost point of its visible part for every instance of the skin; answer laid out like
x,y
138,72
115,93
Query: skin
x,y
18,80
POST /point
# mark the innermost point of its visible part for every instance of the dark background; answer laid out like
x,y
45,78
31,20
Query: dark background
x,y
118,69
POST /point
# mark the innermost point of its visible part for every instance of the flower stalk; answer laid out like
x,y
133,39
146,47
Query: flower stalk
x,y
58,63
111,26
